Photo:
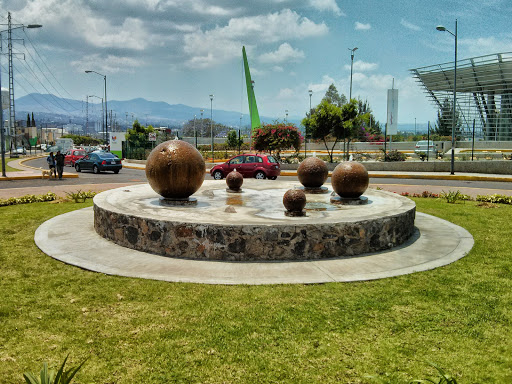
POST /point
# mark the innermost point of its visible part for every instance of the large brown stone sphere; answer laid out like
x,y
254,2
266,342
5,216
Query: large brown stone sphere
x,y
312,172
175,169
234,180
294,200
350,179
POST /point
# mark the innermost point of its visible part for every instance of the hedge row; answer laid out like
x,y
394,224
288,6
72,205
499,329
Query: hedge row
x,y
50,196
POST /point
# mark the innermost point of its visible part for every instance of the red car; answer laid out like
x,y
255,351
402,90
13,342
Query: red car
x,y
249,165
73,155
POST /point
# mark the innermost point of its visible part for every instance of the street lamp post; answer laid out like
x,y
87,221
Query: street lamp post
x,y
202,123
306,128
106,108
211,124
454,117
195,132
352,50
102,110
286,116
12,121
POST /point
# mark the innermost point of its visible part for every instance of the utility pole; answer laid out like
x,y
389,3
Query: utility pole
x,y
87,115
12,114
202,128
195,132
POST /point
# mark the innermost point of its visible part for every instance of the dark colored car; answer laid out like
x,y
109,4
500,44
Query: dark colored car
x,y
249,165
99,162
73,155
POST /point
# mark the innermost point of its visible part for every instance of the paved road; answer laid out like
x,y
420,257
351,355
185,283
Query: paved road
x,y
102,181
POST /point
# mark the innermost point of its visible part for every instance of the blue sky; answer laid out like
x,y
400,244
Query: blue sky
x,y
180,51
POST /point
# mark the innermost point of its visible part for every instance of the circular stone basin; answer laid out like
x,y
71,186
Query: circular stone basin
x,y
251,226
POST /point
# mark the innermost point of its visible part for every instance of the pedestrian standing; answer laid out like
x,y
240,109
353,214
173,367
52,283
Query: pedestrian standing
x,y
51,164
59,160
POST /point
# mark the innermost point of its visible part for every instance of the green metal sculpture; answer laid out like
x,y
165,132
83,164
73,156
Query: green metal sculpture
x,y
253,108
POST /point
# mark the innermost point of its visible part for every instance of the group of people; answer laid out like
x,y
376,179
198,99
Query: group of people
x,y
56,164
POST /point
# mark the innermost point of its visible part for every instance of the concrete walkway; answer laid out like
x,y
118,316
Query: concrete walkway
x,y
435,243
386,174
27,172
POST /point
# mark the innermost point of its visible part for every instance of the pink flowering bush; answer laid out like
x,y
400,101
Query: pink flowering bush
x,y
277,137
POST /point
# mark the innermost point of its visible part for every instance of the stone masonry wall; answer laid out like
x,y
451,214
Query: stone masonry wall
x,y
254,242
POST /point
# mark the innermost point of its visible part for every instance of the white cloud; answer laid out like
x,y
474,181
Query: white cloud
x,y
286,94
361,27
285,53
224,43
483,46
322,86
109,64
409,25
277,68
327,5
362,66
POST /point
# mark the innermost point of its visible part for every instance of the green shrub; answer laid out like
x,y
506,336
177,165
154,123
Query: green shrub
x,y
80,196
51,377
50,196
394,155
453,196
500,199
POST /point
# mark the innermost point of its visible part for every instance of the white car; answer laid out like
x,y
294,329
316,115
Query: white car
x,y
21,151
424,146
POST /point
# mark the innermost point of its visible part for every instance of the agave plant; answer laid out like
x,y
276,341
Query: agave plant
x,y
51,377
444,378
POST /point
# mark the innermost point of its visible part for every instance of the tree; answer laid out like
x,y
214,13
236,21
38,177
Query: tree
x,y
28,120
352,122
276,137
232,140
333,97
138,134
444,123
83,140
326,124
203,128
33,124
370,122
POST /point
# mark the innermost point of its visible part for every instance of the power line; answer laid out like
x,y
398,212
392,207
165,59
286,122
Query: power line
x,y
56,103
49,70
28,93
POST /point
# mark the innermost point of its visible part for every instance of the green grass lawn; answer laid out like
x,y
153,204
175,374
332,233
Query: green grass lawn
x,y
8,168
141,331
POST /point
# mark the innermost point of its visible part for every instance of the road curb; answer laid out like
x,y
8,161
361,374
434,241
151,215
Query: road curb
x,y
32,176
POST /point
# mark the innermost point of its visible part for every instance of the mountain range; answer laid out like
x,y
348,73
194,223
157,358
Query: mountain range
x,y
50,108
56,110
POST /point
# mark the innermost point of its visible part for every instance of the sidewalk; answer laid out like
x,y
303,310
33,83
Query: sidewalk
x,y
62,189
388,174
27,172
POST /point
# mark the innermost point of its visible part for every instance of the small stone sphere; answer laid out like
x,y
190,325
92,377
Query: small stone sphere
x,y
294,200
312,172
175,169
234,180
350,179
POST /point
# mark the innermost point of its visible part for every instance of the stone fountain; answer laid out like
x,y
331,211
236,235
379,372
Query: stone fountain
x,y
182,228
256,227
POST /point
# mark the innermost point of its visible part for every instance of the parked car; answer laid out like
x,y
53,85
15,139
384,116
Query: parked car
x,y
73,155
249,165
99,162
20,151
424,146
